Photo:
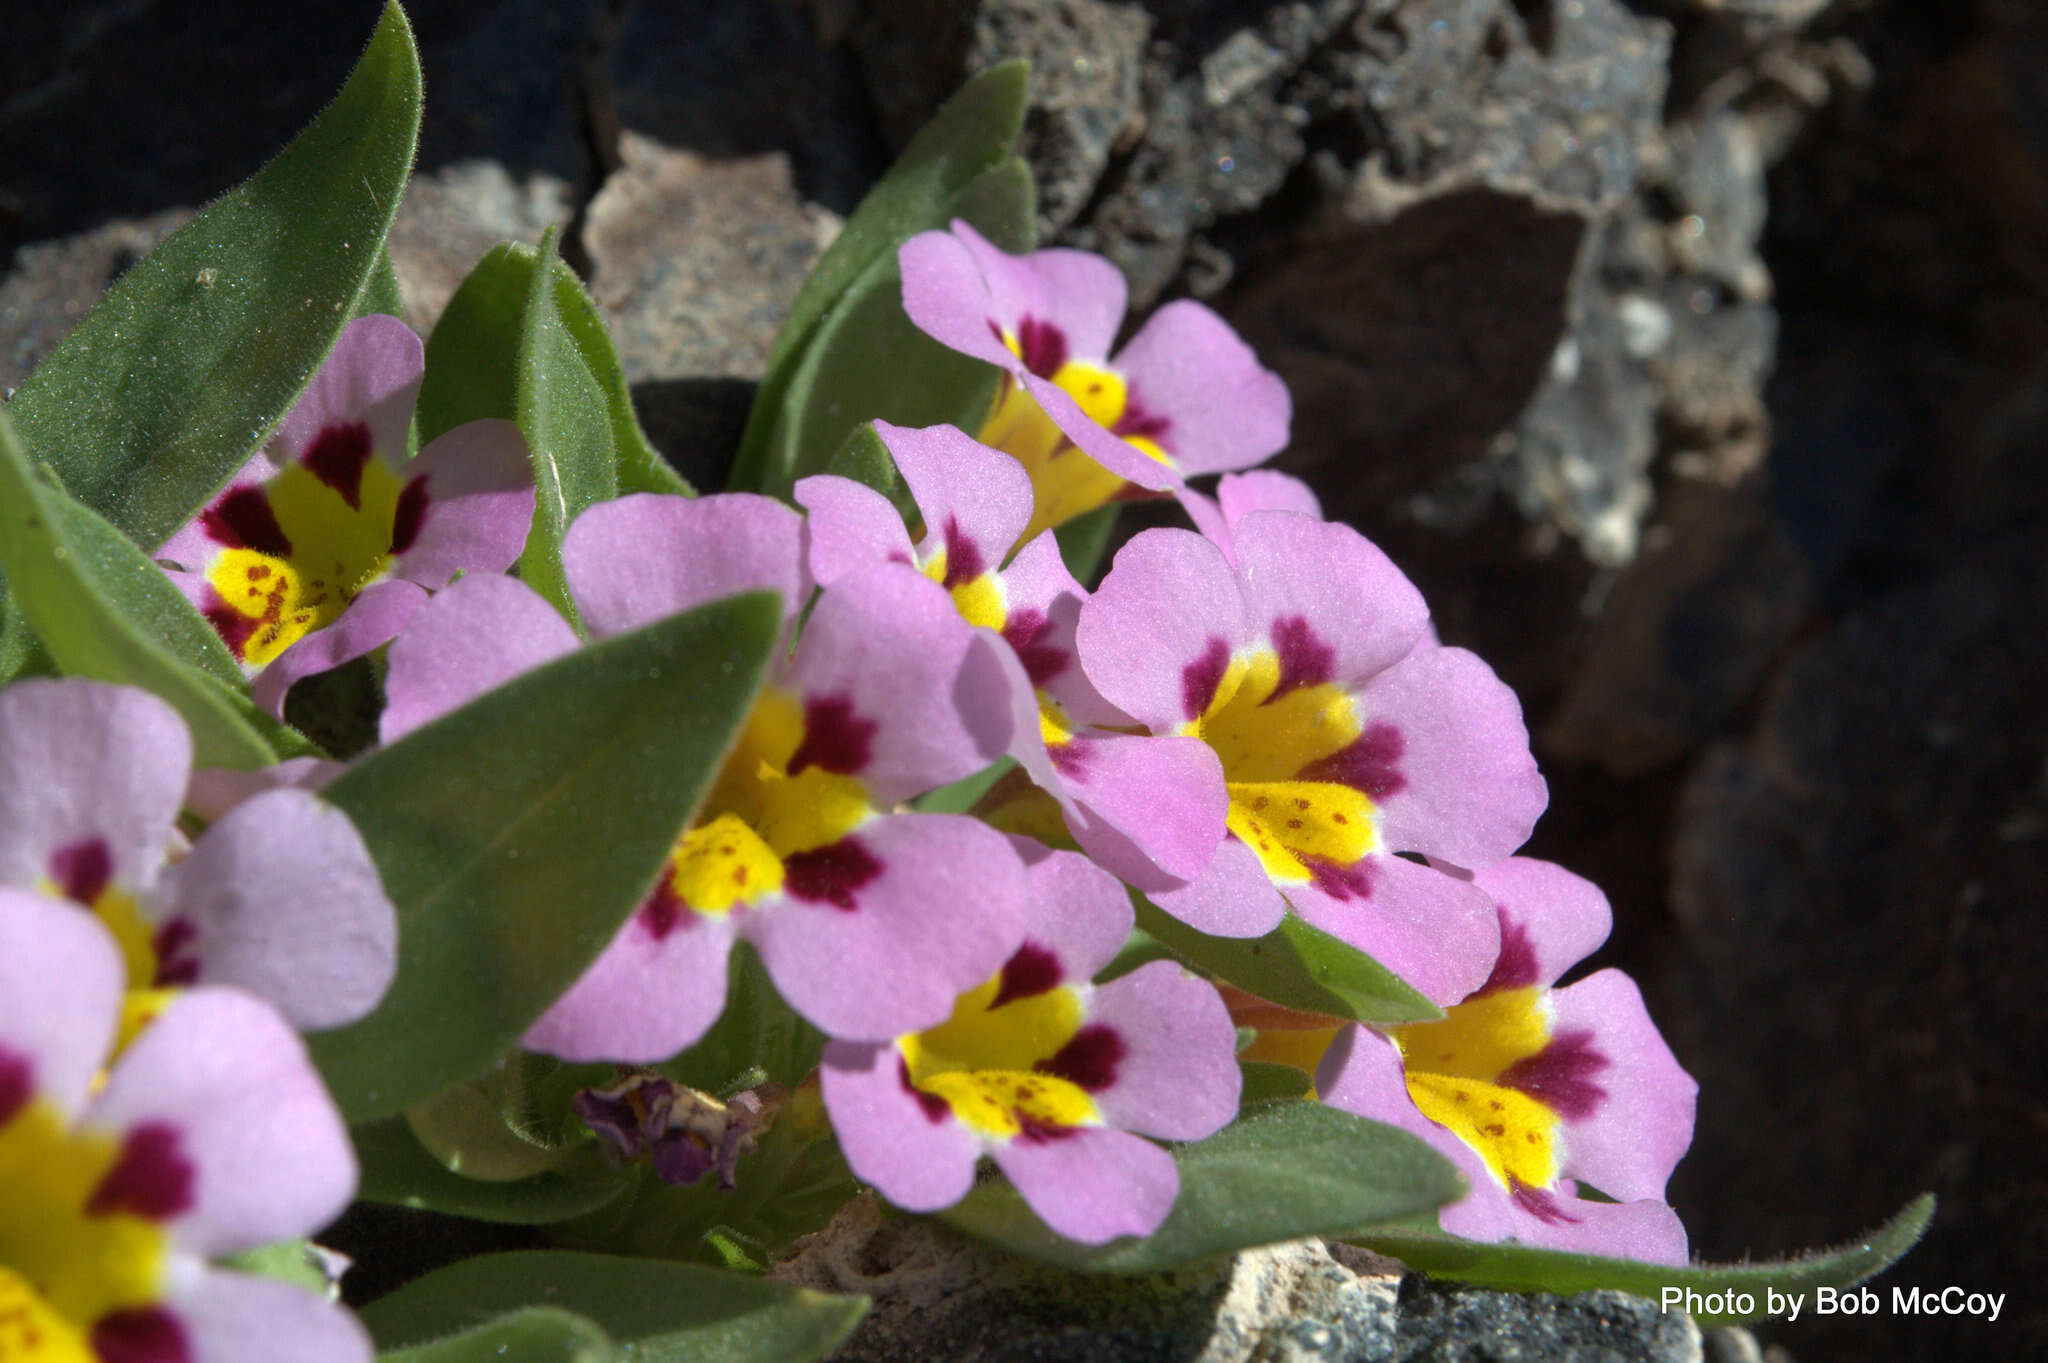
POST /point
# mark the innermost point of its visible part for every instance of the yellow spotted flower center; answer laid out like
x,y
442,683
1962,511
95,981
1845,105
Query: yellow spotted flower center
x,y
759,813
1454,1068
62,1267
1266,742
272,601
980,600
1064,482
987,1061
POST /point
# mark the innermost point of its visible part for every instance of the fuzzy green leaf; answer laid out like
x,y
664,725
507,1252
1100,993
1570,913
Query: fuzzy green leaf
x,y
659,1312
397,1169
1521,1268
483,823
165,388
533,1334
1281,1171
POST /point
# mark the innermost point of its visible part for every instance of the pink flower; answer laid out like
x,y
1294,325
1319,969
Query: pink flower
x,y
329,538
1047,1074
1184,397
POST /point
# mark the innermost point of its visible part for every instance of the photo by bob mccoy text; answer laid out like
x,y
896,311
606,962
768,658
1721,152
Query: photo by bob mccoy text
x,y
1831,1301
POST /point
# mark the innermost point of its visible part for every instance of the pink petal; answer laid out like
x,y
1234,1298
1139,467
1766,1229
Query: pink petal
x,y
1226,410
975,501
920,1161
479,510
1240,494
1168,614
85,765
1642,1125
375,617
1550,920
1179,1078
633,561
223,1072
651,994
1231,898
1647,1230
1078,911
1111,451
471,638
850,527
1149,809
1470,792
1324,596
1435,931
372,376
214,791
946,295
1044,610
1078,291
902,949
234,1317
1092,1184
886,651
60,997
283,900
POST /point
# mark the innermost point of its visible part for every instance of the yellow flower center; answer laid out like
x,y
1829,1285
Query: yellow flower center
x,y
990,1061
980,600
1454,1068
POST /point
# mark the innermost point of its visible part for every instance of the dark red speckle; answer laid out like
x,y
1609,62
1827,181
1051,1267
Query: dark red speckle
x,y
140,1334
337,456
1044,347
936,1109
830,874
1561,1075
1089,1059
1366,764
1026,632
409,517
151,1177
242,519
1305,660
17,1084
1200,678
835,739
1033,970
82,870
1516,967
1540,1203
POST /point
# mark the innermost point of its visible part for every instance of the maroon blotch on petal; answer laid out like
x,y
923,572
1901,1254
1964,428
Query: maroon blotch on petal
x,y
1366,764
836,739
830,874
151,1177
936,1109
1089,1059
1043,347
410,515
1025,632
1033,970
234,628
1200,678
82,870
140,1334
242,519
1540,1203
1305,660
1031,1131
963,556
177,965
337,457
664,911
17,1084
1137,423
1341,882
1561,1075
1516,966
1070,759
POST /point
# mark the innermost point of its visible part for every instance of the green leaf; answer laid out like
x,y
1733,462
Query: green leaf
x,y
1520,1268
971,135
195,354
866,460
1281,1171
75,580
1085,539
483,825
661,1312
534,1334
756,1030
640,466
397,1169
21,655
380,291
473,353
965,793
1297,966
291,1261
1263,1081
562,411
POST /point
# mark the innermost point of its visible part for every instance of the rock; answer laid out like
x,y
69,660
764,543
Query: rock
x,y
54,283
1441,1323
452,216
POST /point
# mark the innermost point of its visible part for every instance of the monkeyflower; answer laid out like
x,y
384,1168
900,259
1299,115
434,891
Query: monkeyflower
x,y
1183,397
278,896
1537,1093
1344,738
210,1134
328,540
1149,809
868,920
1047,1074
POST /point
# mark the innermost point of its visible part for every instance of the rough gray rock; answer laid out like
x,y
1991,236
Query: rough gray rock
x,y
54,283
452,216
